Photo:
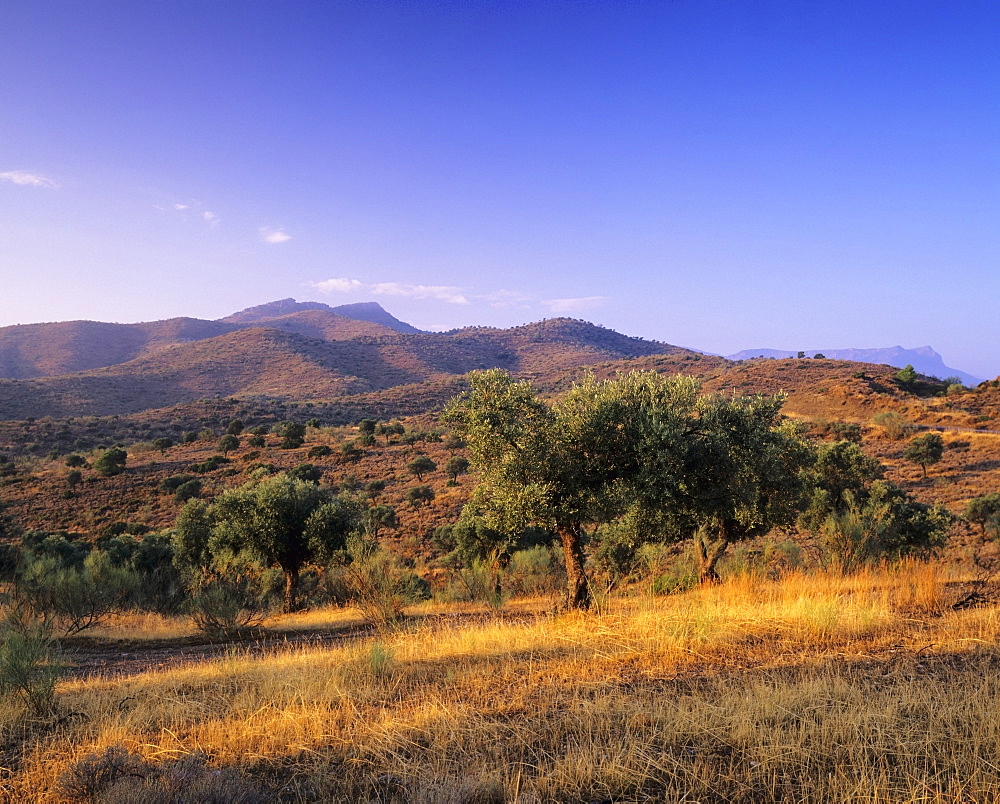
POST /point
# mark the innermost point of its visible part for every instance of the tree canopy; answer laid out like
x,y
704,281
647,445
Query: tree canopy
x,y
281,521
653,448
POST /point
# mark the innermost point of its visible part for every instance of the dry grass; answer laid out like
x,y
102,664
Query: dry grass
x,y
817,688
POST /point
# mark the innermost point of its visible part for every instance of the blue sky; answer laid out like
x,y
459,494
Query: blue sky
x,y
719,175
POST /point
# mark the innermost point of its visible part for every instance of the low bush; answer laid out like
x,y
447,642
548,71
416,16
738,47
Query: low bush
x,y
30,660
117,776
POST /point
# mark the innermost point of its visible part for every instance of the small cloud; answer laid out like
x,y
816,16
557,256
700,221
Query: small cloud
x,y
447,293
27,179
210,217
181,207
341,285
274,236
507,299
578,305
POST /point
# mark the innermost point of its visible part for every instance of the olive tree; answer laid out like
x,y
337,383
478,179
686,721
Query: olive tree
x,y
570,464
281,521
925,450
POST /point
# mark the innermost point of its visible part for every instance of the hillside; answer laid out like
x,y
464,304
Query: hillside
x,y
29,351
283,359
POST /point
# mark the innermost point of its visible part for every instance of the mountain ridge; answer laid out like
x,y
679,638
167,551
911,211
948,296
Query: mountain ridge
x,y
923,358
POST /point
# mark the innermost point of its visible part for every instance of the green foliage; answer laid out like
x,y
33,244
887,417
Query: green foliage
x,y
256,440
906,377
884,522
420,466
643,446
373,489
163,444
419,496
280,521
75,461
455,466
188,491
367,426
228,600
349,452
62,548
210,464
984,511
293,434
30,660
76,598
925,450
169,485
74,478
158,584
235,427
307,472
389,429
228,443
377,518
838,468
111,462
319,451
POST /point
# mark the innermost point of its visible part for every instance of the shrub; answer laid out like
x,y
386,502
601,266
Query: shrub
x,y
895,425
188,491
209,464
293,434
419,496
30,660
307,472
228,602
379,584
116,776
111,462
169,485
76,598
420,466
319,451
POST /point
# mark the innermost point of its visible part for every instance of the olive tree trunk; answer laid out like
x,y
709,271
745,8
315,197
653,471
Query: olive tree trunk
x,y
291,588
708,552
577,587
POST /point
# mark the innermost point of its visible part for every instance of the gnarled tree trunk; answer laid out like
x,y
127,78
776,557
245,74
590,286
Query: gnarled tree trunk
x,y
577,586
709,551
291,588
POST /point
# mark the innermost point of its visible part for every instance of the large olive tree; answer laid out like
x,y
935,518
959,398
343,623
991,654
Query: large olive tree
x,y
568,464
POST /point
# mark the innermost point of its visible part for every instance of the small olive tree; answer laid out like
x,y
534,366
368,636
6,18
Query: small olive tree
x,y
281,521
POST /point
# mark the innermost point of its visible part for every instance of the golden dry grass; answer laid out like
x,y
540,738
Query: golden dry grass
x,y
817,688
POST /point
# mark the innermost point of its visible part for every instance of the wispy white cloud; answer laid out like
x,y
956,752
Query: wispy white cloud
x,y
342,285
578,305
446,293
210,217
452,294
181,207
274,236
28,179
507,299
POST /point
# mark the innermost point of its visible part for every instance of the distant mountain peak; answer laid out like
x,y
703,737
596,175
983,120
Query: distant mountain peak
x,y
372,312
923,358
